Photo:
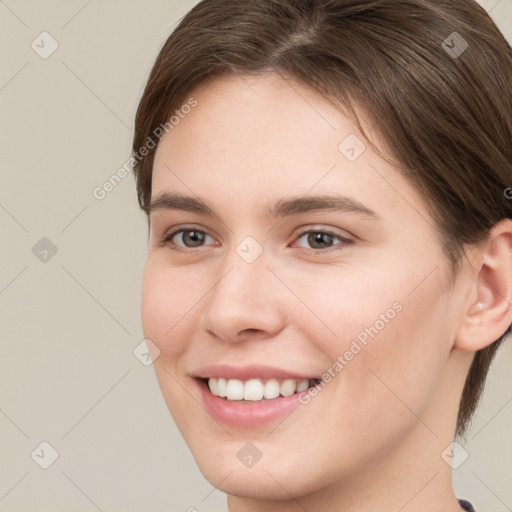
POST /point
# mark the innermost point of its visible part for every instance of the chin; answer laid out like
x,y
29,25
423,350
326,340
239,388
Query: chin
x,y
273,479
256,484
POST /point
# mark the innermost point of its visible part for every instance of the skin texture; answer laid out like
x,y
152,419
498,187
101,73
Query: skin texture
x,y
372,438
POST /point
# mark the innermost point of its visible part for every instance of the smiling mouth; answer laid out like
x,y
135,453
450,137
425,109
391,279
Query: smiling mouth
x,y
257,390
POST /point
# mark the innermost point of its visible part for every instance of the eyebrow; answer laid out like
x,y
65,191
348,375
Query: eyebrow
x,y
281,208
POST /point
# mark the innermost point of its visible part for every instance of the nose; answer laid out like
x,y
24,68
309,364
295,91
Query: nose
x,y
246,302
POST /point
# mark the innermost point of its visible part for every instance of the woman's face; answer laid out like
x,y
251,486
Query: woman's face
x,y
277,285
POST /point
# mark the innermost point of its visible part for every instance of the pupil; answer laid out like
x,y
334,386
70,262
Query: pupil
x,y
195,236
317,238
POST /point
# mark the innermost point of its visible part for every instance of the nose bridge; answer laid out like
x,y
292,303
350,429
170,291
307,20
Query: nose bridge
x,y
243,296
243,282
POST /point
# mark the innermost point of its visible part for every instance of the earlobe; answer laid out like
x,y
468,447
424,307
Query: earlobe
x,y
489,315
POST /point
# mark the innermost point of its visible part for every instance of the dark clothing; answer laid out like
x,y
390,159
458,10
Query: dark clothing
x,y
466,505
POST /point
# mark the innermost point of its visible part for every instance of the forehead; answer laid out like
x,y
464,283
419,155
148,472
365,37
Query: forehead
x,y
257,115
255,137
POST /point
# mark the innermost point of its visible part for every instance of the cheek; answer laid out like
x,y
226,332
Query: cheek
x,y
165,303
390,343
343,306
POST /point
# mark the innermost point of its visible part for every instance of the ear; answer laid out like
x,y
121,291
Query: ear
x,y
487,317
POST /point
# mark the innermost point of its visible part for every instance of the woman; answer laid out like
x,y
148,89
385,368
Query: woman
x,y
329,268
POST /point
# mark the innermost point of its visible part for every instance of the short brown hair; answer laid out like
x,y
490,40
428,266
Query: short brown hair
x,y
436,76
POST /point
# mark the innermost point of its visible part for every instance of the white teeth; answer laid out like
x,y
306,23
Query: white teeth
x,y
221,387
287,387
254,389
235,389
271,389
214,386
302,385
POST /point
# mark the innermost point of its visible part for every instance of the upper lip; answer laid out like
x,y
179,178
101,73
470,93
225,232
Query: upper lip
x,y
252,371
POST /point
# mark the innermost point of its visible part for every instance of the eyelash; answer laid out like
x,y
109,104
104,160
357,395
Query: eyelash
x,y
166,239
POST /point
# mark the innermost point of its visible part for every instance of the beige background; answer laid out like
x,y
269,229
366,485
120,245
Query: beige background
x,y
69,326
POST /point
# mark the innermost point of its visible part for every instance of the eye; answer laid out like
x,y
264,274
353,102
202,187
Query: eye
x,y
191,238
321,239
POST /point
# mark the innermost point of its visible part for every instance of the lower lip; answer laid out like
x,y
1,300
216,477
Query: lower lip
x,y
248,414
